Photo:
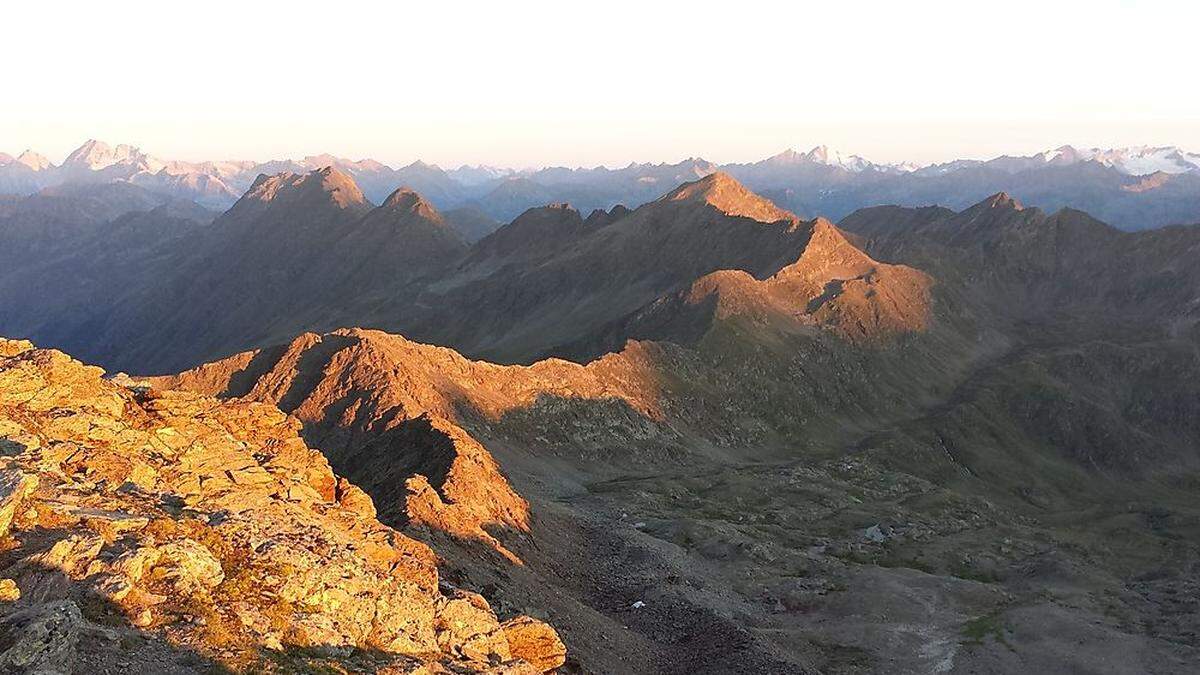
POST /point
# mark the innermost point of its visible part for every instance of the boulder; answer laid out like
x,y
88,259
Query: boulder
x,y
535,642
465,624
9,591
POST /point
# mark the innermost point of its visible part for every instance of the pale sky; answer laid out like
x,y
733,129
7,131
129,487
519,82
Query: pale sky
x,y
518,83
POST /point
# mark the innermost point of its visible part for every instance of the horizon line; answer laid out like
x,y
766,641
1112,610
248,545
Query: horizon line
x,y
517,169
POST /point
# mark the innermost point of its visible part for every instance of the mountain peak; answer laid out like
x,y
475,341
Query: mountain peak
x,y
823,154
1138,160
819,153
420,165
33,160
407,199
96,155
91,151
826,156
788,156
726,194
337,186
322,160
1002,200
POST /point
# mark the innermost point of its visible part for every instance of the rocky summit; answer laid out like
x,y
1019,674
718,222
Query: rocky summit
x,y
161,531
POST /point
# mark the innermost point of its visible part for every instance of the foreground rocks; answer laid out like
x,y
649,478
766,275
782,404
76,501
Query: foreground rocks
x,y
212,534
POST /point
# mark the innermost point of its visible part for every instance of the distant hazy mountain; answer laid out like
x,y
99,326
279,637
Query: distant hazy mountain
x,y
24,174
471,223
1134,188
1138,161
471,176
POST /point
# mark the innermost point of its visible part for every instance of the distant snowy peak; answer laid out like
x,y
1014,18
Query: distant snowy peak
x,y
1135,161
222,170
353,167
33,160
478,175
97,155
823,154
947,167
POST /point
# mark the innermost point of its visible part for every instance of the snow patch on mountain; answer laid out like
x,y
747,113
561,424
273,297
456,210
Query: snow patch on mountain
x,y
1134,161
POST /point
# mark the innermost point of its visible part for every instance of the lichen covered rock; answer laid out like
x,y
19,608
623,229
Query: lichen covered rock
x,y
210,526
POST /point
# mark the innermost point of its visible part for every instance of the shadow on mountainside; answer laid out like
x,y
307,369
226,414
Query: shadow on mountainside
x,y
241,382
395,450
311,368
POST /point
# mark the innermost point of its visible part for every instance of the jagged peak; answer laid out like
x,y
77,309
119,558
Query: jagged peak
x,y
258,181
819,153
724,193
791,156
600,217
90,145
828,254
337,184
95,154
1002,200
996,209
561,212
828,239
33,160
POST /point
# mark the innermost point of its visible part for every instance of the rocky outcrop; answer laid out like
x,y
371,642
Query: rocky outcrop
x,y
207,526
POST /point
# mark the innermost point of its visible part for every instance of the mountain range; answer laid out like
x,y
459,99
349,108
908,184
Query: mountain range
x,y
699,433
1133,188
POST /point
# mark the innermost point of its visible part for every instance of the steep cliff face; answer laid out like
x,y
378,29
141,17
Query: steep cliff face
x,y
178,532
